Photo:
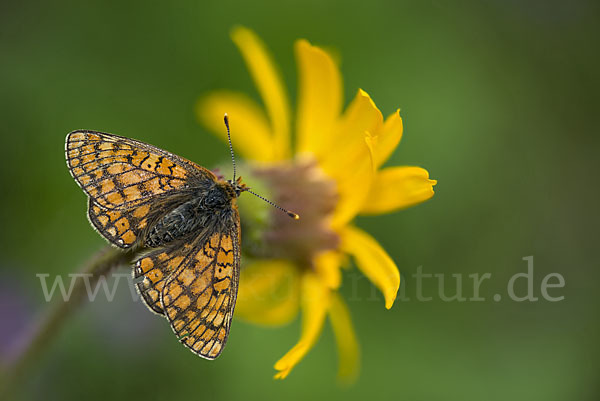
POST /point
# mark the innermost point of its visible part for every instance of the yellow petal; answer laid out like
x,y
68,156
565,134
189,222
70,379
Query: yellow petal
x,y
348,349
388,138
373,261
250,132
398,187
319,96
269,292
315,303
349,159
327,266
348,138
353,185
270,86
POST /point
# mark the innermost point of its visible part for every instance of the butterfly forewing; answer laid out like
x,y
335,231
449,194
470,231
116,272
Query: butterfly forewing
x,y
188,273
119,173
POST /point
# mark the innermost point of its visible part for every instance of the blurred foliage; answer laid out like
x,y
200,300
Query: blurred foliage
x,y
499,101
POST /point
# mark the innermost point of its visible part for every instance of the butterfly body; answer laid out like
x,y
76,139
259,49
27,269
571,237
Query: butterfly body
x,y
183,218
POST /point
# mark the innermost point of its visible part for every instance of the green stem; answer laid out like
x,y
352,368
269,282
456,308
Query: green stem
x,y
55,318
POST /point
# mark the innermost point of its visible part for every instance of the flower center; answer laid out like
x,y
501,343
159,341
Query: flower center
x,y
302,187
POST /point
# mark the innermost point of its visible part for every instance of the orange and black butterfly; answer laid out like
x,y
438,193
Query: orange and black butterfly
x,y
183,218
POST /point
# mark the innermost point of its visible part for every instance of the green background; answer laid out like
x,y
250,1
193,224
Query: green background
x,y
499,101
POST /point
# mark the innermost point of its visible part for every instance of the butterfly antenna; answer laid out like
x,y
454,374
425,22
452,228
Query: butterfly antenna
x,y
245,189
226,119
291,214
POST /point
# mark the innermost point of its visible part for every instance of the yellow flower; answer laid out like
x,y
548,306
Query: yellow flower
x,y
333,173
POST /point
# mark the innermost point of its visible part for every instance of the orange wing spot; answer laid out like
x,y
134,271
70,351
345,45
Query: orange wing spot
x,y
113,215
75,145
176,261
160,285
196,347
199,330
211,316
122,153
142,224
146,264
107,185
91,166
208,346
88,149
222,285
186,277
226,243
141,211
214,241
96,209
219,319
133,176
208,334
85,179
153,294
174,290
93,191
202,300
172,312
77,136
155,275
182,302
99,174
150,162
153,185
199,285
132,193
137,159
78,171
74,162
178,325
163,167
222,334
223,299
115,198
115,168
179,172
203,258
215,350
88,159
103,219
105,146
208,308
225,258
73,153
163,256
129,237
122,225
93,137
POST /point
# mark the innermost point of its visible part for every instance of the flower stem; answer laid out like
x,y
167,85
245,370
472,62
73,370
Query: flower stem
x,y
50,324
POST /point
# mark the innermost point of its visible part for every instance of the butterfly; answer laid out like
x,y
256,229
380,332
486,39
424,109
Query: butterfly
x,y
182,217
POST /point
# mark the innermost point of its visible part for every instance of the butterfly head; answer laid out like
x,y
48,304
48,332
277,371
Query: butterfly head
x,y
238,186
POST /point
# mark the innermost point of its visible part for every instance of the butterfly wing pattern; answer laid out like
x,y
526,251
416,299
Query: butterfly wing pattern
x,y
182,219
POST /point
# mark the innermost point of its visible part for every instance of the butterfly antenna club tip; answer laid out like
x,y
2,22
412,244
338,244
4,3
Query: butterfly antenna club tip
x,y
288,212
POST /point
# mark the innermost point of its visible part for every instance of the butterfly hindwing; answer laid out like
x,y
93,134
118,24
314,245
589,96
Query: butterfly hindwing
x,y
199,298
156,267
